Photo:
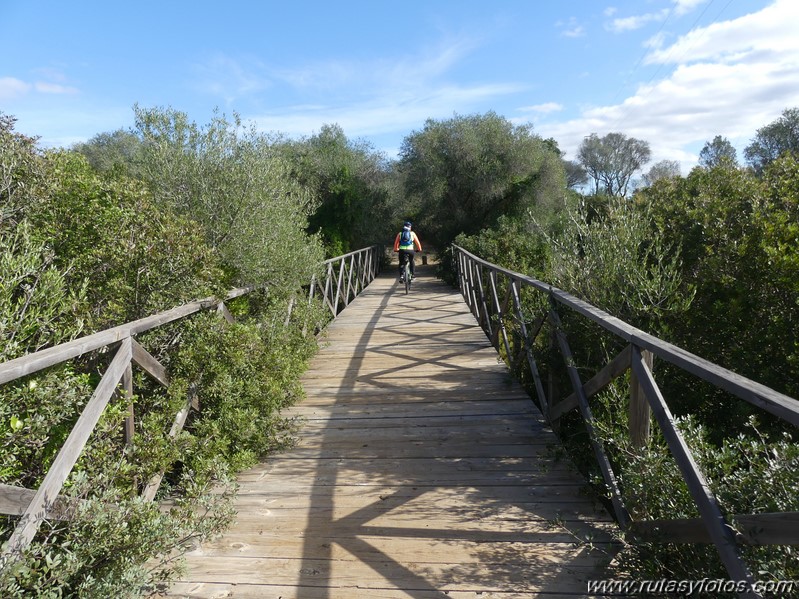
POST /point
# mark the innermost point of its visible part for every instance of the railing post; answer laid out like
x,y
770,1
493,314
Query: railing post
x,y
640,411
127,389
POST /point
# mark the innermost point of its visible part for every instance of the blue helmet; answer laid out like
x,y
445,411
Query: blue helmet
x,y
407,224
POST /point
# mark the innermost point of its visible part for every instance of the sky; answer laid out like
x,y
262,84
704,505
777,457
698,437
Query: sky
x,y
674,73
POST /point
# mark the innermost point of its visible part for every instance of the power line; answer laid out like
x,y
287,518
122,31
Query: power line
x,y
668,58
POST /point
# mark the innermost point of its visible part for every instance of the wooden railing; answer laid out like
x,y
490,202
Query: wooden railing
x,y
346,276
494,295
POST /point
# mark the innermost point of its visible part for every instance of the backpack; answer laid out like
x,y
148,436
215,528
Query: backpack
x,y
405,237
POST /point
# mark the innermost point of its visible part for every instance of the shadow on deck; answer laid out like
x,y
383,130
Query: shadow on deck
x,y
421,470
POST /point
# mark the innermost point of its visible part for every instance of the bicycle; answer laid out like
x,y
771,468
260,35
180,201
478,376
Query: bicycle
x,y
406,277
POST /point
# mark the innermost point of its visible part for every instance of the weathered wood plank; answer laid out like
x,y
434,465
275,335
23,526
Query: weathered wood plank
x,y
752,529
614,369
15,500
421,469
149,364
213,590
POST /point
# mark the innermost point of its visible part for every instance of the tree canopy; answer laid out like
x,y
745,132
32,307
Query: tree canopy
x,y
351,183
461,174
773,140
718,151
238,185
612,160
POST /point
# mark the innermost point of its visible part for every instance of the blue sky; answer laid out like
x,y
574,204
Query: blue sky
x,y
672,72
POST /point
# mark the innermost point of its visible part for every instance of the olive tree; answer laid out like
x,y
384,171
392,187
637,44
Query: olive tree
x,y
774,140
463,173
611,161
717,152
234,182
665,169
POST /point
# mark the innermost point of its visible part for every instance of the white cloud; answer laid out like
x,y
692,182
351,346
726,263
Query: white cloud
x,y
395,96
679,8
571,28
54,88
11,88
730,78
382,113
636,22
543,108
771,33
682,7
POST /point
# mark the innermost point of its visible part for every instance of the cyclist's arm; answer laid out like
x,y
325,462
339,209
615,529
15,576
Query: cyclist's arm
x,y
396,243
417,243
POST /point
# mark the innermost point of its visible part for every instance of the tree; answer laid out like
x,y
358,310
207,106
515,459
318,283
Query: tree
x,y
773,140
737,233
665,169
462,174
117,151
238,186
350,181
612,160
576,175
718,152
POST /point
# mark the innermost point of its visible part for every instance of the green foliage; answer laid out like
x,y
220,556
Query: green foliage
x,y
37,306
82,250
115,546
611,161
609,255
244,373
236,184
774,140
718,153
351,183
462,174
142,257
515,244
21,173
738,238
116,153
749,473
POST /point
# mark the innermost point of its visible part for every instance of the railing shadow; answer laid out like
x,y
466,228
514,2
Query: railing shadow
x,y
499,510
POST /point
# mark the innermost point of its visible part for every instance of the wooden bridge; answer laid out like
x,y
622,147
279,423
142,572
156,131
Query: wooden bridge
x,y
422,470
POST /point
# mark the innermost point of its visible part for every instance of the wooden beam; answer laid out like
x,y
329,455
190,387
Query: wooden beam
x,y
177,425
15,500
622,515
640,414
715,523
776,528
614,369
69,453
772,401
223,311
149,364
127,389
528,349
25,365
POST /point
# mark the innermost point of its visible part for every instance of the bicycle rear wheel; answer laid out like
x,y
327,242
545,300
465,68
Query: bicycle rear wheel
x,y
407,276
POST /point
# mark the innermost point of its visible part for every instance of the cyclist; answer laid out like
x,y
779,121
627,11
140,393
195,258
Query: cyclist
x,y
406,243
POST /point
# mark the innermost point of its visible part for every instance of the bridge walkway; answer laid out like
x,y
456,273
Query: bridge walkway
x,y
421,470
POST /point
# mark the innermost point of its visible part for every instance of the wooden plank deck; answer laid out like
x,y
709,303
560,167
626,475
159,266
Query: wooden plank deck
x,y
422,470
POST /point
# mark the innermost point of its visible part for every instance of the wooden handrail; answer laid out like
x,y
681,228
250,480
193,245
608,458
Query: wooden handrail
x,y
357,269
482,293
345,277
